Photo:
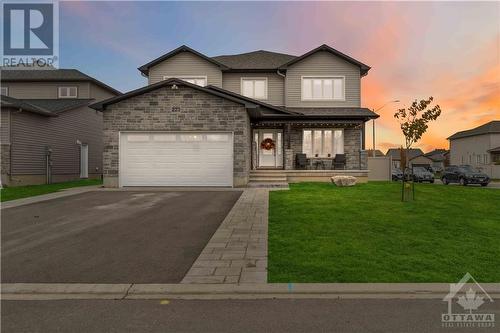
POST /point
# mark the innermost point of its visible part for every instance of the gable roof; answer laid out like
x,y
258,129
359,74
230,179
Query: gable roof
x,y
260,60
437,155
173,81
412,153
145,68
254,61
10,102
51,75
364,68
488,128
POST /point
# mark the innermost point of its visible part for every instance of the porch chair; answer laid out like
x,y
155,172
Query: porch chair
x,y
339,162
301,161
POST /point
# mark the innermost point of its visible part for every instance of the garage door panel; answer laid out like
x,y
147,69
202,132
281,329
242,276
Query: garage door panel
x,y
176,159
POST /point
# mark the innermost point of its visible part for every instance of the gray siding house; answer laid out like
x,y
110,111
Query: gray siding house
x,y
48,132
232,120
478,147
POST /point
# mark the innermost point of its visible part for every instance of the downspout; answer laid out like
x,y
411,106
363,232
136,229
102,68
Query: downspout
x,y
284,84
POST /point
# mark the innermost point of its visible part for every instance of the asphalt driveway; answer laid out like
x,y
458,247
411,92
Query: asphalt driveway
x,y
110,236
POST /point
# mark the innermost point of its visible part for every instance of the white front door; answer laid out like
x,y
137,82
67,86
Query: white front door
x,y
176,159
269,157
84,161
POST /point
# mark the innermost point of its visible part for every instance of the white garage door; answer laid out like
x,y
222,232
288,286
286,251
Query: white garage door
x,y
176,159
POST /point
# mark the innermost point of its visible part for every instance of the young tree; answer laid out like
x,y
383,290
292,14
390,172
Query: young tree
x,y
414,123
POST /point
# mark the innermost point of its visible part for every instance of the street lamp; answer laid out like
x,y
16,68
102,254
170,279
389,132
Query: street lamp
x,y
373,131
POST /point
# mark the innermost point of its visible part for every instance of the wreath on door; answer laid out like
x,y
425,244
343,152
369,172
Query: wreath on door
x,y
267,144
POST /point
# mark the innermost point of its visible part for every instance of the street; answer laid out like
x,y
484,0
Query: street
x,y
284,315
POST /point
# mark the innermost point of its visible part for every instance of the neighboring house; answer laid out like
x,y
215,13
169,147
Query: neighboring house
x,y
420,161
48,131
378,153
439,159
217,121
395,154
478,147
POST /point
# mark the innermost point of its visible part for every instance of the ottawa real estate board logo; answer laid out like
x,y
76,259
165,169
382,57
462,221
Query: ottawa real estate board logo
x,y
464,300
30,33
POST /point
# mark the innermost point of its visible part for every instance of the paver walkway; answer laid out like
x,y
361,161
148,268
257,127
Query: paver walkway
x,y
237,252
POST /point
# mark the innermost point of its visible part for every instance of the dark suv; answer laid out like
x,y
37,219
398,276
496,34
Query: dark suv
x,y
464,174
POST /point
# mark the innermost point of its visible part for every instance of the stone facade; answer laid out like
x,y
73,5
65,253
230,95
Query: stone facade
x,y
355,159
183,109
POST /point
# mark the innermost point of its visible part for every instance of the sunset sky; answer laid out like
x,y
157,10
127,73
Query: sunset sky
x,y
448,50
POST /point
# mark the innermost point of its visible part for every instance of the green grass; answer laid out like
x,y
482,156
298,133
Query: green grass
x,y
12,193
322,233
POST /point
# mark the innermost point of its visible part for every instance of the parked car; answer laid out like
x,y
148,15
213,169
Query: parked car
x,y
464,175
421,174
396,174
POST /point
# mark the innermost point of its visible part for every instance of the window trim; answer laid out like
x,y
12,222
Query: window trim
x,y
182,77
254,78
333,129
67,87
6,91
333,99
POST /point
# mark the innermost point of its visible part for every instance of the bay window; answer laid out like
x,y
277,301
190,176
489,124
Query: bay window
x,y
323,88
254,87
322,142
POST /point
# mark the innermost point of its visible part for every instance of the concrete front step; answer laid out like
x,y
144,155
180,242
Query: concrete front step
x,y
267,184
270,179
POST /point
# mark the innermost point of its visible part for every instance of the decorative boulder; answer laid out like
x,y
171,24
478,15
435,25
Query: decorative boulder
x,y
344,180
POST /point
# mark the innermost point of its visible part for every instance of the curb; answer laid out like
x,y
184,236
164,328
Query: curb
x,y
48,291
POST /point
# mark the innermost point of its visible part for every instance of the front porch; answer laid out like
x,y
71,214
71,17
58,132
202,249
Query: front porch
x,y
277,145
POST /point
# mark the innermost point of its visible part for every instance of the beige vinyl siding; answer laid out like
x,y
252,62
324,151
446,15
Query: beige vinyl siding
x,y
275,85
186,64
44,89
323,64
5,127
31,133
99,93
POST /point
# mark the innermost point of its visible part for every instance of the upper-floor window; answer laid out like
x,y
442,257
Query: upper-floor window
x,y
198,80
323,88
4,91
68,92
254,87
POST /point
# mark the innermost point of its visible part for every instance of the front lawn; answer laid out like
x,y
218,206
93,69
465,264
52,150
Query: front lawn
x,y
322,233
12,193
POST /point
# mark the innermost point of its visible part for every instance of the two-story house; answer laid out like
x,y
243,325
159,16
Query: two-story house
x,y
478,147
48,132
231,119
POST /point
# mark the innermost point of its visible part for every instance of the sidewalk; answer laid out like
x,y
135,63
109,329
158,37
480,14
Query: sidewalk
x,y
237,252
49,196
27,291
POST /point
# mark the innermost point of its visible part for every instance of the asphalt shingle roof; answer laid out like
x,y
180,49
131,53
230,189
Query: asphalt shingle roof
x,y
255,60
24,75
10,102
337,111
59,105
412,153
491,127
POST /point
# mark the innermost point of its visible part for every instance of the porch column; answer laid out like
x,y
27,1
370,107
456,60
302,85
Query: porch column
x,y
289,159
